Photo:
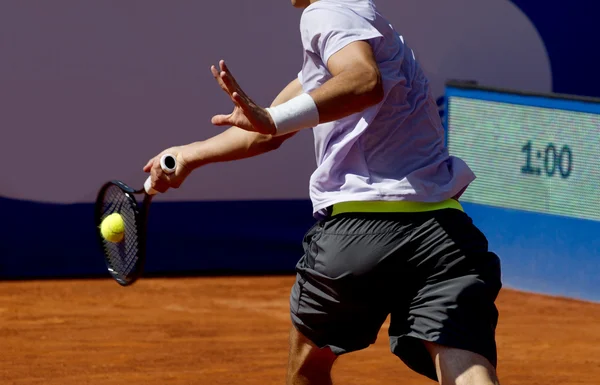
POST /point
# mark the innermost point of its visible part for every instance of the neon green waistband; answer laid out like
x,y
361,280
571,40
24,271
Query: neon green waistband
x,y
393,206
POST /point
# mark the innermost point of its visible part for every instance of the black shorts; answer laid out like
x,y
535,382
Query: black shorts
x,y
431,271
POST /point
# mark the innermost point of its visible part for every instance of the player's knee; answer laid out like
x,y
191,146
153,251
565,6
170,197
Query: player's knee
x,y
461,367
304,353
307,362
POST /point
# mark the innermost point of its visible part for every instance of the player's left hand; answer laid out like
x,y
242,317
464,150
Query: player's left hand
x,y
162,181
246,114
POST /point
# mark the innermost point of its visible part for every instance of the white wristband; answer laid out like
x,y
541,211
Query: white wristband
x,y
294,115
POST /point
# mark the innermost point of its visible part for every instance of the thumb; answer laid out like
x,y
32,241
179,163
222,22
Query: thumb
x,y
222,120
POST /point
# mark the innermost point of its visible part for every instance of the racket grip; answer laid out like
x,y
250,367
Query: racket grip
x,y
148,187
168,164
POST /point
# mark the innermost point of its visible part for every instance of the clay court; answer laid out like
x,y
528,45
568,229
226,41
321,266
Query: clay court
x,y
233,330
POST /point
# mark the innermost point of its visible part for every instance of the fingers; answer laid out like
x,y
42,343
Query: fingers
x,y
245,104
227,80
148,165
245,112
217,77
224,82
238,96
230,80
223,65
226,74
160,180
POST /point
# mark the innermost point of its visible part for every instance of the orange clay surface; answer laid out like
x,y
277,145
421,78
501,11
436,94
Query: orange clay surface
x,y
234,330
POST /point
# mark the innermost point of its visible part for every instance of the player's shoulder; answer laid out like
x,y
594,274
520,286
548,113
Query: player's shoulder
x,y
324,4
324,10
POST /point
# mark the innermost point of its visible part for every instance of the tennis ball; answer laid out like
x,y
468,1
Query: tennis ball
x,y
113,228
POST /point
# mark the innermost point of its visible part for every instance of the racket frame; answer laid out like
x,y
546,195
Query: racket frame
x,y
141,219
168,164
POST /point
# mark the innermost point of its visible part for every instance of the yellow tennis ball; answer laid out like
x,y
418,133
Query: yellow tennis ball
x,y
113,228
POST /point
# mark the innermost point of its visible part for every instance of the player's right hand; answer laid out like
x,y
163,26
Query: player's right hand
x,y
160,180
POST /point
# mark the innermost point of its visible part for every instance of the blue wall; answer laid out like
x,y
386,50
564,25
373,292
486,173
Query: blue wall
x,y
50,240
570,31
540,253
543,253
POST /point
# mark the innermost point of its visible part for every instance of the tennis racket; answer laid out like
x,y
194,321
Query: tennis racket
x,y
125,259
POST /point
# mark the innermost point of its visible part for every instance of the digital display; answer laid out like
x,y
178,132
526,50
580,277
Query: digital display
x,y
529,152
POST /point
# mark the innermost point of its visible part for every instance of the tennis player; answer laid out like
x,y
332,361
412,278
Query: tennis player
x,y
391,237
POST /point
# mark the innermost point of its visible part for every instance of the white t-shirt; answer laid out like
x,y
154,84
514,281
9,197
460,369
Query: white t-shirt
x,y
394,150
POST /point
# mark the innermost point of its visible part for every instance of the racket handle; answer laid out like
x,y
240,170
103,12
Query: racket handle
x,y
168,163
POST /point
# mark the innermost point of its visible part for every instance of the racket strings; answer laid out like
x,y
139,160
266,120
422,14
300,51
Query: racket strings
x,y
122,256
131,238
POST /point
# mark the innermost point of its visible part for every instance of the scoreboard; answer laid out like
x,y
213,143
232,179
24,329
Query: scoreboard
x,y
531,152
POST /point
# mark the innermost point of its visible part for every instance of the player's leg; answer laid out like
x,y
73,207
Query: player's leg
x,y
337,303
308,364
461,367
452,317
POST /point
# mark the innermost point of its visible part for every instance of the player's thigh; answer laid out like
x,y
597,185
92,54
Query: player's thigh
x,y
339,299
453,304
